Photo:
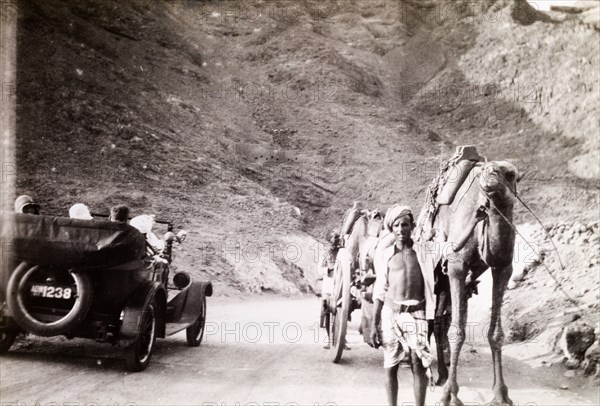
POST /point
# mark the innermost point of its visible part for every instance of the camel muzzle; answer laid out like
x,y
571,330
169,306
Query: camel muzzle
x,y
497,176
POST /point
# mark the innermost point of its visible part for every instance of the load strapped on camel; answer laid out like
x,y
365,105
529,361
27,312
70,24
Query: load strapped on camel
x,y
443,188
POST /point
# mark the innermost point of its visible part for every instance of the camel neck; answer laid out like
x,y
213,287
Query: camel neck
x,y
498,237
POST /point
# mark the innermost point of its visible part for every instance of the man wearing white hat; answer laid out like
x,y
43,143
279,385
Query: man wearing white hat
x,y
25,204
404,297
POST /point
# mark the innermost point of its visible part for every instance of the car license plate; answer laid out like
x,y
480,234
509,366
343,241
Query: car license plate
x,y
53,292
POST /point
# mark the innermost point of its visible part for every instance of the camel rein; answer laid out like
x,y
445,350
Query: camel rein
x,y
559,285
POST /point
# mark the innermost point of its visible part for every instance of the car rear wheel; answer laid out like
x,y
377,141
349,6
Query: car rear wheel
x,y
140,352
48,303
195,332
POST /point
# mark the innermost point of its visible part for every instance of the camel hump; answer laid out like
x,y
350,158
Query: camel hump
x,y
465,159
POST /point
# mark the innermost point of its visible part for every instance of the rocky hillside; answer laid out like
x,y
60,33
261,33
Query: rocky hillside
x,y
254,125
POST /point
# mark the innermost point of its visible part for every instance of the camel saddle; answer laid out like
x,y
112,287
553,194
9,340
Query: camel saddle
x,y
445,186
464,160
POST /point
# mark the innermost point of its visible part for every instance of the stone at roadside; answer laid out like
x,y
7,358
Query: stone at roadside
x,y
433,136
591,363
576,338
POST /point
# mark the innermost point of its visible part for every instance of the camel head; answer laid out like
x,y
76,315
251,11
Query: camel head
x,y
499,181
374,214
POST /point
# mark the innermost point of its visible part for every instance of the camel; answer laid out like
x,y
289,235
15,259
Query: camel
x,y
359,232
490,185
360,244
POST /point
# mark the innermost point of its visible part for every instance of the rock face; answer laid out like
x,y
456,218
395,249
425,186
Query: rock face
x,y
576,338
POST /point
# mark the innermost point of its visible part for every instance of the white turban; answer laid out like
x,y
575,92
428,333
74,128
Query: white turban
x,y
143,223
394,213
80,211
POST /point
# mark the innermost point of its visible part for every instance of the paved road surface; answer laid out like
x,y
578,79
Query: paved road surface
x,y
259,352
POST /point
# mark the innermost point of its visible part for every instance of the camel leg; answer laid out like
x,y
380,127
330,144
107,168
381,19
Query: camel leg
x,y
457,272
437,327
440,331
501,277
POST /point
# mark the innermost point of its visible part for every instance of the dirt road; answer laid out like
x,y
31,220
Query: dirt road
x,y
260,352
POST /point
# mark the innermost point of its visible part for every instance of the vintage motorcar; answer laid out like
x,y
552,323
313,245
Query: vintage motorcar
x,y
95,279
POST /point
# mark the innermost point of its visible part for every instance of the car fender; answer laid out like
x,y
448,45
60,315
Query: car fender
x,y
134,309
194,301
192,305
207,287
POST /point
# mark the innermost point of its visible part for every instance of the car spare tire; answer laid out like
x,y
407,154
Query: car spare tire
x,y
48,302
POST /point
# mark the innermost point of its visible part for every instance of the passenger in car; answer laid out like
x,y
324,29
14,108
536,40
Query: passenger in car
x,y
154,246
144,224
119,213
25,204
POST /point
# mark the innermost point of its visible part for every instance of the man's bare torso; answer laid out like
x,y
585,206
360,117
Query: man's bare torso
x,y
405,277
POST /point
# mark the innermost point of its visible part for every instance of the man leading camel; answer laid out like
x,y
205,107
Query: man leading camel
x,y
400,295
403,296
